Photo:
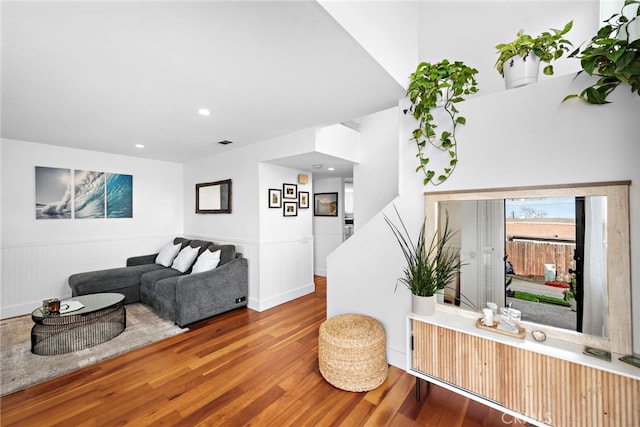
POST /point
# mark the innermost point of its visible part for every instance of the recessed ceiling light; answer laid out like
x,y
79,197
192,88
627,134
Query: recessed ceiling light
x,y
317,166
139,145
331,169
204,112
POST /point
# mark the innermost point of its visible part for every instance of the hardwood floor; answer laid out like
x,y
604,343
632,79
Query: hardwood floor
x,y
240,368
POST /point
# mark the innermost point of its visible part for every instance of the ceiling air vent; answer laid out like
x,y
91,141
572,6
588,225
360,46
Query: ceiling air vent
x,y
225,142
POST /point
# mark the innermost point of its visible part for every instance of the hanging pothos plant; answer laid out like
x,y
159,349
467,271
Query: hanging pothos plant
x,y
438,85
611,56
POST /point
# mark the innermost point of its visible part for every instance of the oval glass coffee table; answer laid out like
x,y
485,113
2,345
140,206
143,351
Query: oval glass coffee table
x,y
102,318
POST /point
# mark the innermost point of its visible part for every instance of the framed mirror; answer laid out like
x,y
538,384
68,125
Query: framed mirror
x,y
213,197
535,249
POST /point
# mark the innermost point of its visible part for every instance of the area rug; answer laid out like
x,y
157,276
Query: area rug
x,y
20,368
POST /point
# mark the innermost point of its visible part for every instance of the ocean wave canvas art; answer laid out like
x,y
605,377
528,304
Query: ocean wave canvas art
x,y
119,196
89,194
53,193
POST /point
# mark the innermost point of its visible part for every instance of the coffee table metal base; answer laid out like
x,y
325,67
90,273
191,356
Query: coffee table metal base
x,y
64,334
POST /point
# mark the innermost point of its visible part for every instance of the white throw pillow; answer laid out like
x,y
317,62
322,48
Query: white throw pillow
x,y
185,258
167,254
206,261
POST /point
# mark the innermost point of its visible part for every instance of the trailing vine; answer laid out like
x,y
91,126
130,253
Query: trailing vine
x,y
431,86
614,59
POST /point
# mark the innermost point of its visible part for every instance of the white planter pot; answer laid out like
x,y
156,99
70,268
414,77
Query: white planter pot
x,y
520,71
424,306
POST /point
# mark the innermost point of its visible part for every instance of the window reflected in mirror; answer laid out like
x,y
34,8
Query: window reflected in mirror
x,y
545,256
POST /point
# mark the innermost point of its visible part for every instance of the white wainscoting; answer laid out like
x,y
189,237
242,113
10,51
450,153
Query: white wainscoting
x,y
279,271
32,272
286,271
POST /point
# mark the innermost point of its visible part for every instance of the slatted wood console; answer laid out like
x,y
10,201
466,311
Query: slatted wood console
x,y
549,383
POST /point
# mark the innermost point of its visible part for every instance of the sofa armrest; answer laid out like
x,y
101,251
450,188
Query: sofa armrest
x,y
141,259
206,294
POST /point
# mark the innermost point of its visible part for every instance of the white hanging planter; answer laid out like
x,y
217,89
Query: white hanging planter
x,y
424,306
519,71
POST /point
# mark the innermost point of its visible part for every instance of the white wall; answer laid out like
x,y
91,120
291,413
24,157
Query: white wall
x,y
363,272
445,32
338,141
328,232
389,32
286,243
279,252
39,255
375,179
519,137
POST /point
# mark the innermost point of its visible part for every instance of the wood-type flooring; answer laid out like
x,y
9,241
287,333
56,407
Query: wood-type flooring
x,y
242,368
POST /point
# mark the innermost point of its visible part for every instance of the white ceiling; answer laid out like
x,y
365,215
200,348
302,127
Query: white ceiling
x,y
105,76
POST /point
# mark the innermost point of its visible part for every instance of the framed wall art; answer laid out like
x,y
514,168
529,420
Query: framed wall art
x,y
213,197
290,209
53,193
89,194
289,191
303,200
325,204
275,198
81,194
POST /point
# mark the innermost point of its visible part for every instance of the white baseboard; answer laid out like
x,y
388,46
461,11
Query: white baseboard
x,y
282,298
397,358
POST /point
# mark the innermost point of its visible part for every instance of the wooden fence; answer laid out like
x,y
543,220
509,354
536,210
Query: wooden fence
x,y
528,257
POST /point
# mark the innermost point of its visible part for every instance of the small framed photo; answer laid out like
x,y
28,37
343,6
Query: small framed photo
x,y
289,191
290,209
325,204
275,198
303,200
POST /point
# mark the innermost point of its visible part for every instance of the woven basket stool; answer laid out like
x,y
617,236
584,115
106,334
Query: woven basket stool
x,y
352,352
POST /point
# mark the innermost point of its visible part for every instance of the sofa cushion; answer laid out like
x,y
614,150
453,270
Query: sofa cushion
x,y
149,279
227,252
166,287
108,280
208,260
168,254
185,259
202,245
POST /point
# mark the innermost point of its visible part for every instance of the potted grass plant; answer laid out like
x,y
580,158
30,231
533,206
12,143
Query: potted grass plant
x,y
519,61
430,265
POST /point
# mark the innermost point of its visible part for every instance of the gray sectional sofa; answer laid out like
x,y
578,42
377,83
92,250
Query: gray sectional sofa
x,y
182,297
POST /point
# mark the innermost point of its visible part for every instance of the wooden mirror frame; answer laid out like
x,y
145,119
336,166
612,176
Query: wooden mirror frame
x,y
203,205
618,253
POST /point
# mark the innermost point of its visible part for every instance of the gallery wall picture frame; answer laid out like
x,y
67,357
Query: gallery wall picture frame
x,y
275,198
289,191
325,204
303,199
290,209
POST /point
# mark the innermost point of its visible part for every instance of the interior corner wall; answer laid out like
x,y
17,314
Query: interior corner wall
x,y
328,231
338,141
286,242
363,271
389,32
268,252
38,255
375,178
